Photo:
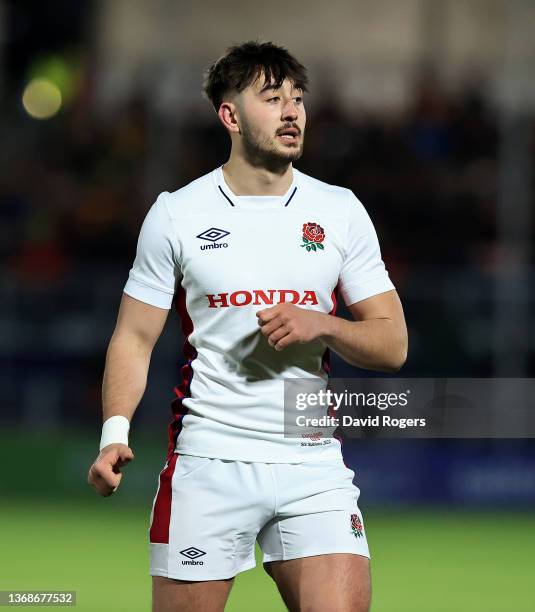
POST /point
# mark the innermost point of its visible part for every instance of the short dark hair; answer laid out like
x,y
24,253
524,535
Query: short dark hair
x,y
243,64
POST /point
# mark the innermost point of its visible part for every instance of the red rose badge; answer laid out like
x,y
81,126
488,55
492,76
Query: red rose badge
x,y
356,526
313,236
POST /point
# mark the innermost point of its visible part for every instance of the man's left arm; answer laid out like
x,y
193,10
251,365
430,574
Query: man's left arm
x,y
376,340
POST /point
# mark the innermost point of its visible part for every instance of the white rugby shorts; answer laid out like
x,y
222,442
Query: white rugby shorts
x,y
208,513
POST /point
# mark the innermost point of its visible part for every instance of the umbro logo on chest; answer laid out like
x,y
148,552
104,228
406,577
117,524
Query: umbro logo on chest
x,y
213,235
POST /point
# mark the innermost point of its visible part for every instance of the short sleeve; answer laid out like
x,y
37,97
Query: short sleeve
x,y
363,272
155,273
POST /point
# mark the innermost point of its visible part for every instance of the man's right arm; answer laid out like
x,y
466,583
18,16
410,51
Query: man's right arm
x,y
138,327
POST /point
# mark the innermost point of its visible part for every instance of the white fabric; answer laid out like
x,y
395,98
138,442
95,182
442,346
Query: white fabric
x,y
220,508
235,407
115,431
156,268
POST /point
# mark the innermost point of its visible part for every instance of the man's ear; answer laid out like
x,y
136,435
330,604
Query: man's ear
x,y
228,115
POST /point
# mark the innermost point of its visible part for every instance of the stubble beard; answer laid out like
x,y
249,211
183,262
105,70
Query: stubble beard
x,y
263,152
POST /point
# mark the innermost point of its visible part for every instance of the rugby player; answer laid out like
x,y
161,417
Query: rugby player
x,y
252,255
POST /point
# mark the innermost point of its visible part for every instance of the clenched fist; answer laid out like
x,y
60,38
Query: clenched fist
x,y
285,324
105,474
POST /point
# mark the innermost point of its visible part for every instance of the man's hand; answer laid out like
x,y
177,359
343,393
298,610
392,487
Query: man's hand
x,y
284,324
105,474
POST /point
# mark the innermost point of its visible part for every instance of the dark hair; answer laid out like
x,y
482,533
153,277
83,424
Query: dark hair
x,y
242,64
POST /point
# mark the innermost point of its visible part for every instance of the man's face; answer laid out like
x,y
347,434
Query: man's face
x,y
272,123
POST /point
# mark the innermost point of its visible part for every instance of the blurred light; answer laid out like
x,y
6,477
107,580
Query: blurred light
x,y
41,99
57,70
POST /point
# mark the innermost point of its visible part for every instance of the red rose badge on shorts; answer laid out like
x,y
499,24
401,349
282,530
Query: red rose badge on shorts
x,y
356,526
313,236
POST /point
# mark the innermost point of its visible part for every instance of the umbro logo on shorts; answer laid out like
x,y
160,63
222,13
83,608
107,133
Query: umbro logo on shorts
x,y
192,553
213,234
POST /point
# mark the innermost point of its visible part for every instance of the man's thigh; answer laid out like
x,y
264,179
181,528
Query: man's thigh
x,y
337,582
170,595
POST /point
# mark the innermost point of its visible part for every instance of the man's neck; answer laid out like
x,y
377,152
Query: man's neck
x,y
246,180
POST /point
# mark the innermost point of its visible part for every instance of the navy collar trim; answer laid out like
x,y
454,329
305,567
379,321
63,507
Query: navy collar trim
x,y
232,203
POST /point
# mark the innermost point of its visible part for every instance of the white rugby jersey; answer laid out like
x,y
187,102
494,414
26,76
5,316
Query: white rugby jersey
x,y
220,258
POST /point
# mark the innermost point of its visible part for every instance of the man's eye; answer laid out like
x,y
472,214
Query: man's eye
x,y
298,99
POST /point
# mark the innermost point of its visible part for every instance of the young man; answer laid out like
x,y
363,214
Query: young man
x,y
251,255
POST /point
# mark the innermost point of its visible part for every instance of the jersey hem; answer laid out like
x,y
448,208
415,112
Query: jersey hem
x,y
144,293
322,457
375,286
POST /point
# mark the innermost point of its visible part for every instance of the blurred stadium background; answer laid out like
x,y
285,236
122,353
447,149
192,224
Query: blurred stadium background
x,y
425,109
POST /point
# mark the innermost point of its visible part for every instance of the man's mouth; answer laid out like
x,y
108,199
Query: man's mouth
x,y
290,134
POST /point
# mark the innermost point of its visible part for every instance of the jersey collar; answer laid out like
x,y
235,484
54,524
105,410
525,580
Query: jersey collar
x,y
254,202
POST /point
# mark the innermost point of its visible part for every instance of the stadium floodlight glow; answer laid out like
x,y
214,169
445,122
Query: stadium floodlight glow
x,y
41,99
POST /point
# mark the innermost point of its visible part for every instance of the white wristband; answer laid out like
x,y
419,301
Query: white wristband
x,y
115,431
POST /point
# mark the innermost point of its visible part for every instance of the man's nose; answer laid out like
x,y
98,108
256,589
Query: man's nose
x,y
290,111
